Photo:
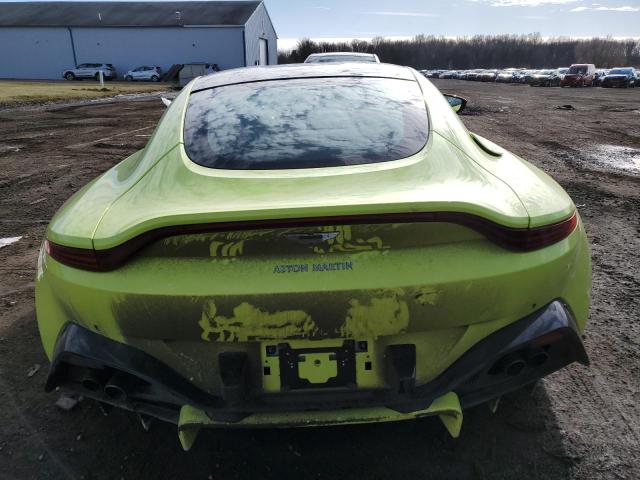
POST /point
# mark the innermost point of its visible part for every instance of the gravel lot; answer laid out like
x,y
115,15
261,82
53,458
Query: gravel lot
x,y
578,423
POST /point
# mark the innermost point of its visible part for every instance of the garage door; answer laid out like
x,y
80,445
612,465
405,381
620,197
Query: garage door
x,y
264,52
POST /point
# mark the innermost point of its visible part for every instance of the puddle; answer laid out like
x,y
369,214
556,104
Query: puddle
x,y
8,241
615,158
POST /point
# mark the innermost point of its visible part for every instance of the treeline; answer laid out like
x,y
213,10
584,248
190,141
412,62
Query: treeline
x,y
481,51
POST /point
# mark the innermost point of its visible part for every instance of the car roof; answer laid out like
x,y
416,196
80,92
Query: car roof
x,y
302,70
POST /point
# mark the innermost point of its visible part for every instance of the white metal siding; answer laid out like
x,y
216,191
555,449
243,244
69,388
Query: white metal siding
x,y
34,52
257,27
37,52
128,48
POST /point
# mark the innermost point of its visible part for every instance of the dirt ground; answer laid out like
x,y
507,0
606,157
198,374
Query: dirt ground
x,y
578,423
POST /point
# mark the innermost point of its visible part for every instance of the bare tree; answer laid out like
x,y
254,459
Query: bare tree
x,y
481,51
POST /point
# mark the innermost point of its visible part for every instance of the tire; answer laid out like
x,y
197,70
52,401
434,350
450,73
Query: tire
x,y
97,77
128,78
155,78
69,76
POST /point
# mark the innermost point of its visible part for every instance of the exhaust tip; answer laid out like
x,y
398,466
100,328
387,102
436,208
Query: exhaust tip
x,y
93,379
536,357
114,392
515,367
90,384
511,364
121,385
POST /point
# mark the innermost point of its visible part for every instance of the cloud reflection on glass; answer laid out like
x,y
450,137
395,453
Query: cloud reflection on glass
x,y
305,123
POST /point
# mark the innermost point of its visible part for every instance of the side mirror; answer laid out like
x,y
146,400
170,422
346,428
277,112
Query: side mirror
x,y
166,101
457,103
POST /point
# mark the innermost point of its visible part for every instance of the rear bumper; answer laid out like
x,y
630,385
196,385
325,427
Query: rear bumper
x,y
127,377
617,82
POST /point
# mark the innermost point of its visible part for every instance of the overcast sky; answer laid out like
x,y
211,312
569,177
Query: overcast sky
x,y
368,18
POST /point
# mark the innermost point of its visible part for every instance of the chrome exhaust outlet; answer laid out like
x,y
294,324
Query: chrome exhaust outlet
x,y
514,366
536,357
93,380
511,364
120,386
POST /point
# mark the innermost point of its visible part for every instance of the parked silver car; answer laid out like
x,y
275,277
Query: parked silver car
x,y
144,73
91,70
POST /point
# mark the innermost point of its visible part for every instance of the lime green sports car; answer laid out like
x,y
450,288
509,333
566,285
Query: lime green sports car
x,y
312,245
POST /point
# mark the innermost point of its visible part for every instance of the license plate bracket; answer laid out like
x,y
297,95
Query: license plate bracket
x,y
321,367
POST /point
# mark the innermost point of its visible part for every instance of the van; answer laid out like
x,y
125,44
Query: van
x,y
579,75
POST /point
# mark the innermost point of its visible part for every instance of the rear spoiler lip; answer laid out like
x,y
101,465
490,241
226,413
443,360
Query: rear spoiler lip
x,y
515,239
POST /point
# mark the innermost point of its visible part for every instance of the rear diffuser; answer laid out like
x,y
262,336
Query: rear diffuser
x,y
447,407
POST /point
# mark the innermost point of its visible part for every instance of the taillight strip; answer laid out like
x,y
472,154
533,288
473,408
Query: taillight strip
x,y
517,239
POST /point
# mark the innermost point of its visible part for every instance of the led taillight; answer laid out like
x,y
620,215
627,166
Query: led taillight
x,y
83,258
518,239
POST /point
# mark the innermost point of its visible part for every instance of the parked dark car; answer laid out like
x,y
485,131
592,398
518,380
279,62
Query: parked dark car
x,y
545,78
621,77
598,77
523,76
579,75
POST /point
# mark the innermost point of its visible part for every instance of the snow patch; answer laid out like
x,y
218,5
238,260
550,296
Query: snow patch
x,y
8,241
616,158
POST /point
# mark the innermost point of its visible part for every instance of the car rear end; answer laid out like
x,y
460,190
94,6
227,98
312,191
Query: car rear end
x,y
109,71
380,280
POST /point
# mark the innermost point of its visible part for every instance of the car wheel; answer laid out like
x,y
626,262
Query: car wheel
x,y
69,76
128,78
97,76
155,78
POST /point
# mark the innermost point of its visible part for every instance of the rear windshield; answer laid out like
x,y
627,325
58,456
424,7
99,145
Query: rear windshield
x,y
578,70
305,123
620,71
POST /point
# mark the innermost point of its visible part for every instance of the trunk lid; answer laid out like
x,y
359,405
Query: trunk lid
x,y
440,178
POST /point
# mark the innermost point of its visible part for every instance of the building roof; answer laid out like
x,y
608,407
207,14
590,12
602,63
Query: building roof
x,y
125,14
302,70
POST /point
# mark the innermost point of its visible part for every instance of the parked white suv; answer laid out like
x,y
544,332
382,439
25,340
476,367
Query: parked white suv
x,y
332,57
152,74
91,70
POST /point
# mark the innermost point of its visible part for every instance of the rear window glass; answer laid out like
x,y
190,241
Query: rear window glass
x,y
305,123
578,70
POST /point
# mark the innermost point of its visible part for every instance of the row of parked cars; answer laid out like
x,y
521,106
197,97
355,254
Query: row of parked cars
x,y
578,75
93,70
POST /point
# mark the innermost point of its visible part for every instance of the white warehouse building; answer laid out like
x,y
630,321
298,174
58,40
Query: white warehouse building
x,y
38,40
